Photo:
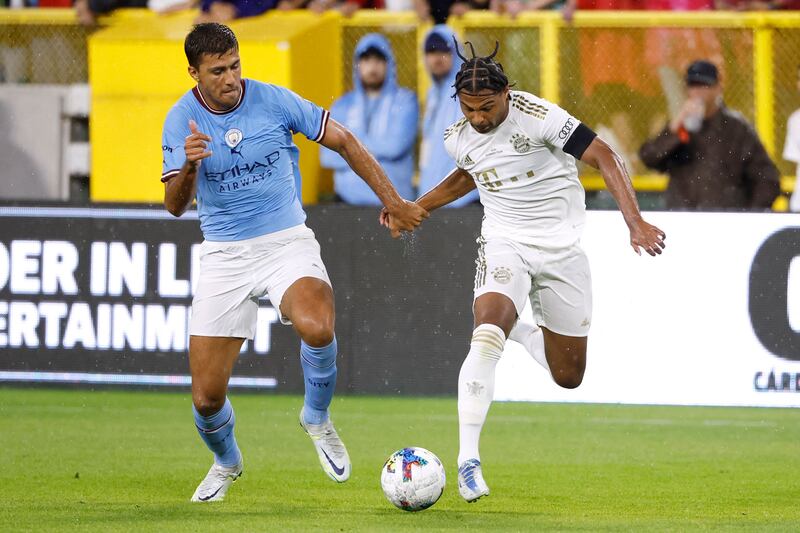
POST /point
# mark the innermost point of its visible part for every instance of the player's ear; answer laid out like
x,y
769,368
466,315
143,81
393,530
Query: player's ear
x,y
193,73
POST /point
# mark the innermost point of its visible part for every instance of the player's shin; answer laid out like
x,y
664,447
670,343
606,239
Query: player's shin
x,y
476,387
217,432
319,376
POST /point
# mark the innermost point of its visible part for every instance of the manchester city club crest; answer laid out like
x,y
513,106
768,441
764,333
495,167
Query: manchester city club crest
x,y
521,143
233,137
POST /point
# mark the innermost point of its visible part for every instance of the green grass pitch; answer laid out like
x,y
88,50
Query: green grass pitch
x,y
129,461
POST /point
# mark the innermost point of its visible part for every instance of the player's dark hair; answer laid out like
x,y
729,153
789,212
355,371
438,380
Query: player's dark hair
x,y
209,38
479,73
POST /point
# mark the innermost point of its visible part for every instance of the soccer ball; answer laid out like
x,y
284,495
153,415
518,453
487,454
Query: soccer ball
x,y
413,479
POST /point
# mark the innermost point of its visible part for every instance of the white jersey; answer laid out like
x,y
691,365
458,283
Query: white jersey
x,y
528,186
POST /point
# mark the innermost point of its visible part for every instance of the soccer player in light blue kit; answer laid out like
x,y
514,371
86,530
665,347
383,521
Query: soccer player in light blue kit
x,y
228,142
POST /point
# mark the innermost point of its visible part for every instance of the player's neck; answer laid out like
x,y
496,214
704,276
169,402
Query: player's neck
x,y
211,103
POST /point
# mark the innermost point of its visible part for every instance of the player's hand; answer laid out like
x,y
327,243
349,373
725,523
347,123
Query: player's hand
x,y
406,217
196,143
648,237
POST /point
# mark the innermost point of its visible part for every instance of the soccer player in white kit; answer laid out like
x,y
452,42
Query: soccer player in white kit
x,y
519,150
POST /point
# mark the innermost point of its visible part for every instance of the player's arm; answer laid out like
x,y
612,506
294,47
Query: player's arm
x,y
600,155
179,190
458,183
405,216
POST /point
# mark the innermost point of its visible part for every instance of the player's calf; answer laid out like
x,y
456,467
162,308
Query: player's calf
x,y
566,357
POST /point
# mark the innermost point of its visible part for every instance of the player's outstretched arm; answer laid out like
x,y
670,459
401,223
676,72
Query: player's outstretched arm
x,y
454,186
179,191
405,216
611,166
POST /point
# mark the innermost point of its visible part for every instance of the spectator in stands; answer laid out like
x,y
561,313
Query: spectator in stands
x,y
437,11
713,156
791,151
441,111
383,115
87,10
758,5
515,7
348,7
223,11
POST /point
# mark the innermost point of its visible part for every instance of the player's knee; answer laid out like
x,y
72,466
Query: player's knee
x,y
315,332
208,404
568,379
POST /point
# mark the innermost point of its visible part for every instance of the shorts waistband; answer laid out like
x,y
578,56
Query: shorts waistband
x,y
266,238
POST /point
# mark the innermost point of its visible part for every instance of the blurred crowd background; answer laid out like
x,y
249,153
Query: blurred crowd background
x,y
620,66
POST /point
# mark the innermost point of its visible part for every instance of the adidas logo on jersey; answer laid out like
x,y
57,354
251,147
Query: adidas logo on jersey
x,y
467,161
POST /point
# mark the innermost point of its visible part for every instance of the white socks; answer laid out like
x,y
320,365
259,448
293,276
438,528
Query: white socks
x,y
532,338
476,387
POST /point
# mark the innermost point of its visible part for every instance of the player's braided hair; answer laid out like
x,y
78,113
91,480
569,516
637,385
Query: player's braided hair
x,y
209,38
479,73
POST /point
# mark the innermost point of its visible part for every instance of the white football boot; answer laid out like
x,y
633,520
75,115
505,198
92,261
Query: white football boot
x,y
331,451
216,483
471,485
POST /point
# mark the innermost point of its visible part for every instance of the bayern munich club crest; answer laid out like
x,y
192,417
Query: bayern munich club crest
x,y
233,137
522,144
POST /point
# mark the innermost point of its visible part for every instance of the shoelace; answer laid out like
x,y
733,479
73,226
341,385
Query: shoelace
x,y
332,442
330,439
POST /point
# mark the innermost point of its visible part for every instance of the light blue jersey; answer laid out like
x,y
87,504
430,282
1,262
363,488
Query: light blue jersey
x,y
250,185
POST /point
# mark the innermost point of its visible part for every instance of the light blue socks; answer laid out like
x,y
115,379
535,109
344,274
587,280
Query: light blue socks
x,y
217,432
319,376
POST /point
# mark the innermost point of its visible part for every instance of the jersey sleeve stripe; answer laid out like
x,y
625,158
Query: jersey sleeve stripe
x,y
323,126
169,174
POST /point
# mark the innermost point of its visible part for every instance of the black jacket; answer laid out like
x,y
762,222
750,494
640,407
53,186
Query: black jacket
x,y
723,166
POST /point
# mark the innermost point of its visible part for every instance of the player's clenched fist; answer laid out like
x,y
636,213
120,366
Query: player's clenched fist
x,y
195,146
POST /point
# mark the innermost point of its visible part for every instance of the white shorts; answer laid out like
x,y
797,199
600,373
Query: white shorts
x,y
235,274
558,282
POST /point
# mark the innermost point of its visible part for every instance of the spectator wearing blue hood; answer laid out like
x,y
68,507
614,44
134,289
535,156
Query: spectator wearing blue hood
x,y
381,114
441,112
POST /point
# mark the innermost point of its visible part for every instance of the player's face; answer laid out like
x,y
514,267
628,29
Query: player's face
x,y
438,64
485,110
372,72
219,78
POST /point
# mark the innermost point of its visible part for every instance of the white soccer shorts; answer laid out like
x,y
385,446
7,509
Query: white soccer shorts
x,y
558,282
234,275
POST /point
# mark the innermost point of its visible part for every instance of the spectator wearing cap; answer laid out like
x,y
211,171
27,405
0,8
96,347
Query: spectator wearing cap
x,y
383,115
713,156
441,111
